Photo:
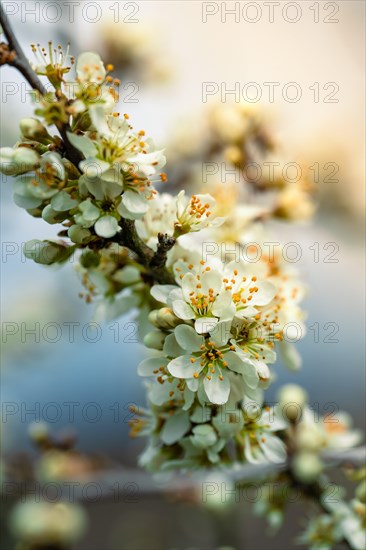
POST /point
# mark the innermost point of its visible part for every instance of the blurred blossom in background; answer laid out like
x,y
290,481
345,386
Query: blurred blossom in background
x,y
183,71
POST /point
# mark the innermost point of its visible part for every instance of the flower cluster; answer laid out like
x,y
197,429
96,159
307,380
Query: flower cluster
x,y
193,434
218,322
115,178
213,324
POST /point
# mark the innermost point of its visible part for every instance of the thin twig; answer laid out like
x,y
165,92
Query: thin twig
x,y
146,483
129,238
165,243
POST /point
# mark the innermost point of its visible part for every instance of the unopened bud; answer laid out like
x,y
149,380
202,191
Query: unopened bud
x,y
309,436
307,467
167,319
153,317
294,204
48,524
292,399
233,154
18,161
154,339
361,491
38,431
33,129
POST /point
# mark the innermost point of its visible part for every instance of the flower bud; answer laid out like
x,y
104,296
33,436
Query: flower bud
x,y
294,204
217,492
233,154
33,129
154,339
361,491
164,318
18,161
167,319
38,431
309,436
307,467
153,316
292,399
253,411
43,523
47,252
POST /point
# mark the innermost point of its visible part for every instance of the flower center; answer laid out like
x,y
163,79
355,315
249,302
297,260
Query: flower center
x,y
211,358
200,302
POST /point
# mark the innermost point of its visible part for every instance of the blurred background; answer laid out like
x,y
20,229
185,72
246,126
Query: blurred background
x,y
167,54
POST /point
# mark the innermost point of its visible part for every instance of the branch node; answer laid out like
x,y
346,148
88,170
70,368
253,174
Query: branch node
x,y
165,243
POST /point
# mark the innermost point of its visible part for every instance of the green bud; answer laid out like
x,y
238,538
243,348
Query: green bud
x,y
79,235
47,252
18,161
51,216
218,493
33,129
166,319
47,524
62,202
292,399
154,340
153,317
89,259
38,431
307,467
361,491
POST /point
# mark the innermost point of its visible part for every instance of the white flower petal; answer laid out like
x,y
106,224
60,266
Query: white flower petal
x,y
211,279
253,453
205,324
192,384
151,364
135,202
175,427
149,163
217,390
243,366
106,226
220,334
265,294
290,356
171,347
90,68
273,448
182,367
93,167
183,310
99,121
181,203
83,144
188,338
189,284
161,292
223,306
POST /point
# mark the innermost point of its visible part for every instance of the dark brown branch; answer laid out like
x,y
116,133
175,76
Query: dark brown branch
x,y
13,55
129,238
165,243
